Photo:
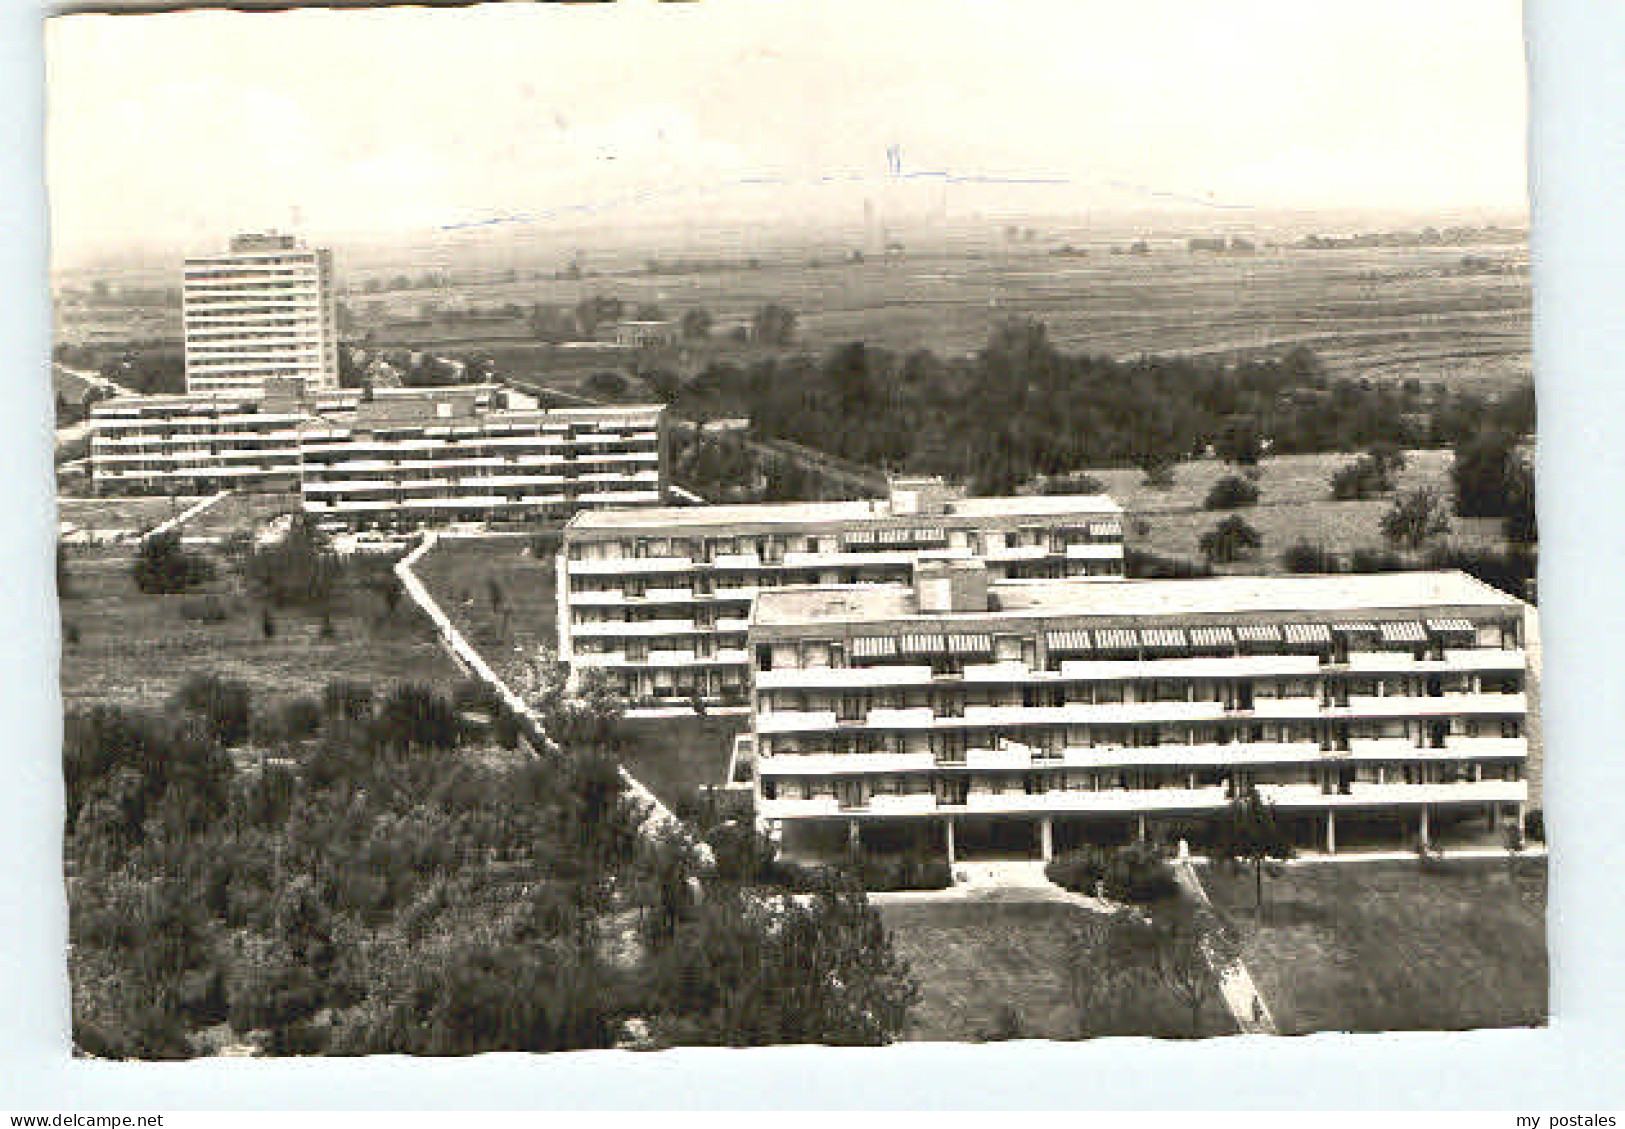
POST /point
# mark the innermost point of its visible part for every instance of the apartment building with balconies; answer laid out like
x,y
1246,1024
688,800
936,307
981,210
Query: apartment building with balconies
x,y
391,459
198,444
264,309
960,715
660,598
410,456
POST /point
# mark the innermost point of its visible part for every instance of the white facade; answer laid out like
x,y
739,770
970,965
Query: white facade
x,y
661,598
411,456
399,459
264,309
1055,712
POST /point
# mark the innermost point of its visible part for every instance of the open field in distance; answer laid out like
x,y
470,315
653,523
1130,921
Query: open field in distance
x,y
1294,504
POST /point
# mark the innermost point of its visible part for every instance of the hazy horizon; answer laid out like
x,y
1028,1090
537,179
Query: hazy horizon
x,y
542,127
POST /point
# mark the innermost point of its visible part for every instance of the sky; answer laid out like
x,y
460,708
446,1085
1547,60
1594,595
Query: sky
x,y
174,130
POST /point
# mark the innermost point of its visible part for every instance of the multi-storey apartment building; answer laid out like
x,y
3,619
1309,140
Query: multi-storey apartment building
x,y
197,444
961,715
660,598
263,309
391,458
409,456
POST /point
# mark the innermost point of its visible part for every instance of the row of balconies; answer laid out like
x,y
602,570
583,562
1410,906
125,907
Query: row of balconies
x,y
1282,796
484,501
658,659
613,629
315,484
612,566
1249,753
1466,660
1147,713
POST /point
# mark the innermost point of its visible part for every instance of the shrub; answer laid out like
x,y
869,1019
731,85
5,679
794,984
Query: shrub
x,y
205,609
1135,872
1305,558
347,701
163,567
223,705
1360,479
1141,564
301,717
905,873
1231,493
1375,560
1229,541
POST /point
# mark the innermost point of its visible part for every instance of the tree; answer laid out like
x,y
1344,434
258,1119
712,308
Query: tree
x,y
163,567
696,324
1231,493
1388,459
1248,832
1305,557
1229,541
1189,952
1520,526
223,704
1415,519
1240,443
773,324
301,569
1482,474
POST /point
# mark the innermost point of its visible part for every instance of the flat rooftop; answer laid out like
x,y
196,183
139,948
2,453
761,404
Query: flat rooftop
x,y
790,514
1223,595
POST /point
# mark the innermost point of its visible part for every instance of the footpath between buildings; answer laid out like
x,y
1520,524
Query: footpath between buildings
x,y
1236,985
185,515
657,818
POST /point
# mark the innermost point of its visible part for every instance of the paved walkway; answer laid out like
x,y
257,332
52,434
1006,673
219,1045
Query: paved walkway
x,y
1236,985
186,515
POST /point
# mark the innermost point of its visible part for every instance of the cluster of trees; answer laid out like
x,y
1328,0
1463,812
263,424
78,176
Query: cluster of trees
x,y
162,566
723,468
1020,408
360,877
1370,474
1492,477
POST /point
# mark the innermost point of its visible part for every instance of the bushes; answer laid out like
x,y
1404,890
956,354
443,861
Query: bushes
x,y
1137,872
905,873
205,609
222,704
1229,541
162,567
1306,558
1231,493
1142,564
301,569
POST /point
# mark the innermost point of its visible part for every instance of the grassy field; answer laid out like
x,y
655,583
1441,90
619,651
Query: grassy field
x,y
112,516
500,596
678,756
135,648
1388,313
1294,504
974,960
1383,947
240,512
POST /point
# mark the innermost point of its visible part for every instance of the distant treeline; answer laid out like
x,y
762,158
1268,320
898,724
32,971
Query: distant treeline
x,y
1020,408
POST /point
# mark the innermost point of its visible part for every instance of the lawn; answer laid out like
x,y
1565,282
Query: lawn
x,y
1294,505
239,512
675,757
1381,946
977,961
109,517
136,649
499,594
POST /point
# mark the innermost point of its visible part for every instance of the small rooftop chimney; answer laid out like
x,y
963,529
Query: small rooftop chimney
x,y
945,585
919,496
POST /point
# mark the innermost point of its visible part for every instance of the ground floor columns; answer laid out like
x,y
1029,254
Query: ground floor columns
x,y
1422,831
1139,827
854,840
1331,831
948,838
1046,838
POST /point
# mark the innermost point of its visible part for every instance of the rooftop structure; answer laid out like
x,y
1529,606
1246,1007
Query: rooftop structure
x,y
968,715
659,597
